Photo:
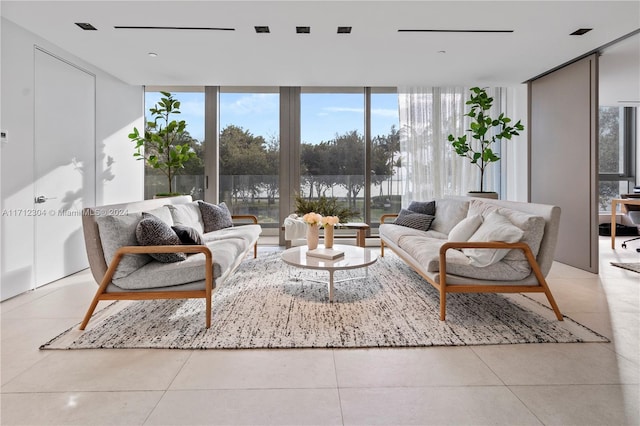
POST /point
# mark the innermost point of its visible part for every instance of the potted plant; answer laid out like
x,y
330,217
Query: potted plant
x,y
325,207
484,131
160,146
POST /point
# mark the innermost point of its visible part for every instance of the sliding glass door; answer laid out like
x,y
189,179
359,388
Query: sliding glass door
x,y
332,152
249,149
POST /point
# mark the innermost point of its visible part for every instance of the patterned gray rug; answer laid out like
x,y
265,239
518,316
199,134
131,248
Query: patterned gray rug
x,y
635,267
268,304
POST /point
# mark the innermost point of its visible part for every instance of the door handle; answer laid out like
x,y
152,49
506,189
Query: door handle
x,y
42,199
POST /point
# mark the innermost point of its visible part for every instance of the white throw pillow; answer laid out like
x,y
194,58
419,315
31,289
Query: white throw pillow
x,y
465,228
495,227
163,213
187,214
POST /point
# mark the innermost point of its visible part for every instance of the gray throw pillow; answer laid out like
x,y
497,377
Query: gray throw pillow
x,y
214,216
423,207
414,220
118,231
152,231
188,235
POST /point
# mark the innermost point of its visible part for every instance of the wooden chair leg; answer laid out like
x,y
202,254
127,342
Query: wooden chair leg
x,y
381,248
543,283
92,308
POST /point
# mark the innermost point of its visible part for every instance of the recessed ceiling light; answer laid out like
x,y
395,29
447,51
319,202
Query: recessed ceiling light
x,y
344,30
442,51
86,26
153,54
262,29
303,30
581,31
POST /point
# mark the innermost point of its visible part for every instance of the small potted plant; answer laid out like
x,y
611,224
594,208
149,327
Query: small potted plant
x,y
160,145
485,132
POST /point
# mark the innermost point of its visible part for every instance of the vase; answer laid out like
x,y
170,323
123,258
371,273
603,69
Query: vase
x,y
328,236
313,234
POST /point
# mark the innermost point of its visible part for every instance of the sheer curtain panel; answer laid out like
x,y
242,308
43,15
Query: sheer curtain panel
x,y
432,169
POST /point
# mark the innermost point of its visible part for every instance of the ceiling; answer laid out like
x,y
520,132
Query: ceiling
x,y
374,54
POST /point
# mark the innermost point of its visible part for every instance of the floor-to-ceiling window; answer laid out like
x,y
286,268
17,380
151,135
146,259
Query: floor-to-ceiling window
x,y
190,179
349,149
332,150
386,161
617,141
249,146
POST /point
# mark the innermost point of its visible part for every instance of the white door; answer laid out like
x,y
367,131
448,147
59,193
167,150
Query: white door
x,y
64,165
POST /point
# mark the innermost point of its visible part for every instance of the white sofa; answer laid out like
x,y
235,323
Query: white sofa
x,y
472,261
124,269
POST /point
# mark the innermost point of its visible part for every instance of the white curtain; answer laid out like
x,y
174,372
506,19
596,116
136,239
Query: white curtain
x,y
431,168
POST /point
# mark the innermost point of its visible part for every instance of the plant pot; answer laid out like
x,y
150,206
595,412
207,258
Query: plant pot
x,y
166,195
484,194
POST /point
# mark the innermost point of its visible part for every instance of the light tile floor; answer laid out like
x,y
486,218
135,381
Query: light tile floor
x,y
581,384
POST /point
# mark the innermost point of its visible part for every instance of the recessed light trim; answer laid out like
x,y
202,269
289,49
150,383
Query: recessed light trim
x,y
451,31
262,29
344,30
303,30
152,54
581,31
86,26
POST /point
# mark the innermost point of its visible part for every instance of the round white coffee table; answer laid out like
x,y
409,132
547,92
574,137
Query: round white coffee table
x,y
354,257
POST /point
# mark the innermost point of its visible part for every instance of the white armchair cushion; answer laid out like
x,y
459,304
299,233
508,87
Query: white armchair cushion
x,y
494,228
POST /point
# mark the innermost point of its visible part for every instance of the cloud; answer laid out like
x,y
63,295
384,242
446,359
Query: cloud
x,y
192,108
255,103
344,109
380,112
384,112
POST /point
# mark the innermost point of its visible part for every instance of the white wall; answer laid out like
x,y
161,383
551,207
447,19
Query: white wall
x,y
119,177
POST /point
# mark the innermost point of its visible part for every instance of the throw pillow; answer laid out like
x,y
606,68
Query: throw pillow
x,y
214,216
163,213
414,220
152,231
117,231
495,227
465,228
423,207
187,214
188,235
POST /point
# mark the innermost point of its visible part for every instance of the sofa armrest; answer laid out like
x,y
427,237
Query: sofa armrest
x,y
487,245
253,219
387,216
250,217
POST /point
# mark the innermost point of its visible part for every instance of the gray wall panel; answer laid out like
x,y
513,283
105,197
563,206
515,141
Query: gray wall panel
x,y
563,156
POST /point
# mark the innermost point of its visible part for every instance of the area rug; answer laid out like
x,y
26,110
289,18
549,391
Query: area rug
x,y
268,304
635,267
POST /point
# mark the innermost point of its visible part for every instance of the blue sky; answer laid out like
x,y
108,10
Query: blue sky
x,y
322,115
